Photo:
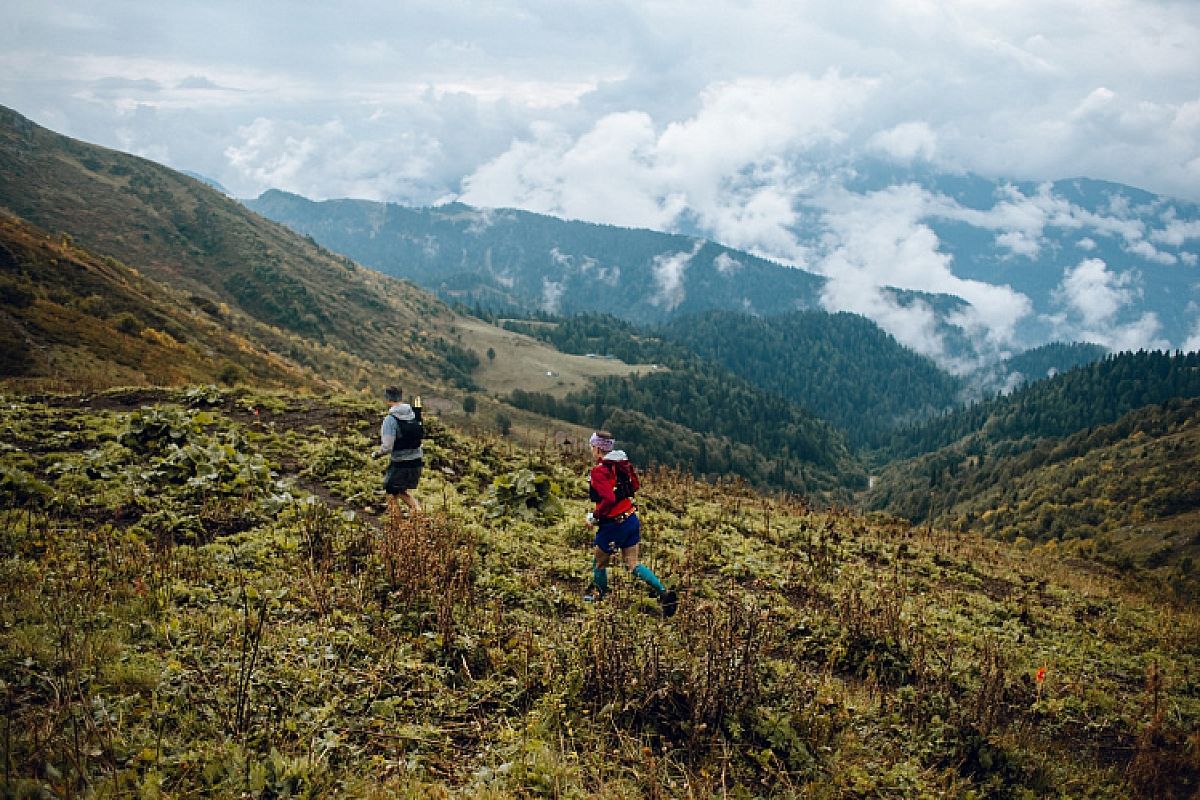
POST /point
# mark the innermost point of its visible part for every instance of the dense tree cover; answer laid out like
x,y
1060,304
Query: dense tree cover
x,y
1143,469
695,416
501,259
842,367
1050,359
718,415
1095,394
966,481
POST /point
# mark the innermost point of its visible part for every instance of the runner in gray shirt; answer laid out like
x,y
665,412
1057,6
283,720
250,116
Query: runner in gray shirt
x,y
400,437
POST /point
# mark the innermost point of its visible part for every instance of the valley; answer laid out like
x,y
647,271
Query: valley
x,y
896,581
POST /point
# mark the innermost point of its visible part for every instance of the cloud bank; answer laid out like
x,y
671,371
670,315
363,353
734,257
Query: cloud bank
x,y
734,120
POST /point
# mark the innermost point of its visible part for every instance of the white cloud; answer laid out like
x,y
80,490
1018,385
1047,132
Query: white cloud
x,y
552,292
668,271
313,160
1193,342
1151,253
727,164
727,264
1092,298
1019,243
1094,292
601,176
560,258
1023,88
907,141
484,218
878,240
1177,232
853,289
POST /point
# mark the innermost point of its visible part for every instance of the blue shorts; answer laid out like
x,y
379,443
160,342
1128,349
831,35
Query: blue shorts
x,y
614,536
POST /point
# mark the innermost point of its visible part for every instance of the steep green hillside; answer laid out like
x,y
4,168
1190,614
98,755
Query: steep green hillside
x,y
1127,492
69,318
179,231
202,601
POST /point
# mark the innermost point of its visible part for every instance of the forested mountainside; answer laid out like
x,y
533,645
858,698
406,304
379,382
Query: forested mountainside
x,y
174,229
1049,360
841,367
204,598
505,260
696,415
1127,493
731,428
1097,393
513,262
1102,457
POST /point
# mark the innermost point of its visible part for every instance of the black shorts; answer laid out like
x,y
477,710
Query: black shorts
x,y
402,476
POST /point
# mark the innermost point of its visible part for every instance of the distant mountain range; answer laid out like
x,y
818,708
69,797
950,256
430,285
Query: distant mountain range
x,y
1140,279
1018,265
515,260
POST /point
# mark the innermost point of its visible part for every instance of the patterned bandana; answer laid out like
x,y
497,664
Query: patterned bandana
x,y
603,444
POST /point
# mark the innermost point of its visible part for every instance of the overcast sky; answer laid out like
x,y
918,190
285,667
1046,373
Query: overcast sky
x,y
643,114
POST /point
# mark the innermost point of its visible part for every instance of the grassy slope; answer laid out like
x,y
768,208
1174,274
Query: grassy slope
x,y
179,231
73,319
522,362
313,315
172,625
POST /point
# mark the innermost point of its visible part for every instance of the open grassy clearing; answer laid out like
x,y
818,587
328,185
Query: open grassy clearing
x,y
525,363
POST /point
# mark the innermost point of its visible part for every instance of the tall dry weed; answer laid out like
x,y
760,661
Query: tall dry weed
x,y
428,561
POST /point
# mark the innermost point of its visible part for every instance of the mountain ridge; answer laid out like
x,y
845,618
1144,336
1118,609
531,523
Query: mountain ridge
x,y
1071,260
179,231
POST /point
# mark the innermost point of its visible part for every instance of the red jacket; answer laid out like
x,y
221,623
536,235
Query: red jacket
x,y
602,486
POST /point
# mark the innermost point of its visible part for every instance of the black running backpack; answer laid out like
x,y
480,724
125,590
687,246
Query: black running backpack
x,y
409,433
626,479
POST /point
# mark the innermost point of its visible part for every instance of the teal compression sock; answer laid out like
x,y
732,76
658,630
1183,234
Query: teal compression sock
x,y
600,578
646,574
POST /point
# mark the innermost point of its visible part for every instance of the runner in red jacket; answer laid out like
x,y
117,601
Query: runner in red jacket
x,y
611,486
